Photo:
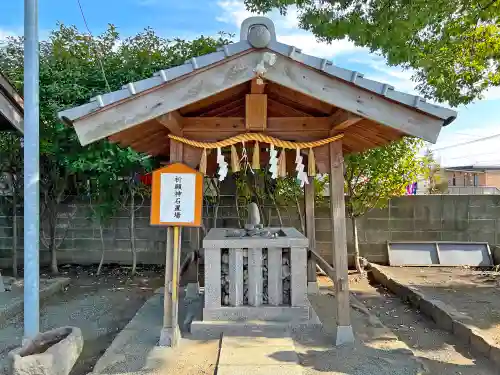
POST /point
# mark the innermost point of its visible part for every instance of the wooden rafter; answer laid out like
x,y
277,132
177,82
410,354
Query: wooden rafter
x,y
341,120
172,121
222,109
256,88
281,109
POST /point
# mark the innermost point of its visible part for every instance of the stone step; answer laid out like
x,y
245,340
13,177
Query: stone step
x,y
265,313
258,355
253,328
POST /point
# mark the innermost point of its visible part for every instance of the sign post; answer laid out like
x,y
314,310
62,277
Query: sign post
x,y
176,201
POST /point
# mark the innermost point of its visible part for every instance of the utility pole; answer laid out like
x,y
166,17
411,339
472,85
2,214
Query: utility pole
x,y
31,171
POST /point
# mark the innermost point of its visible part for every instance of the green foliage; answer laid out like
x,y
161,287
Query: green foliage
x,y
433,174
70,75
373,177
453,46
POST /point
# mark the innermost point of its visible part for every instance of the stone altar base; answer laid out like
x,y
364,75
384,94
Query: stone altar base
x,y
245,320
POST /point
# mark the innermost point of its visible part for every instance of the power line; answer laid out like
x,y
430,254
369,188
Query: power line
x,y
93,45
468,142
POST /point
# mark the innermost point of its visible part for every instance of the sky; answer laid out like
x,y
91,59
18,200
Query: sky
x,y
459,143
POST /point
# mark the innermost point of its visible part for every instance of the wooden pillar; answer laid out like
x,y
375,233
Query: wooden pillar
x,y
170,330
309,193
344,332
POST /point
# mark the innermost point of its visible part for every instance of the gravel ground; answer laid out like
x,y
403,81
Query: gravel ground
x,y
475,293
100,306
438,350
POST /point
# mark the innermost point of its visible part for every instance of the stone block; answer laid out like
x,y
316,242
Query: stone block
x,y
402,212
255,285
377,236
236,277
377,224
378,213
402,224
275,282
462,331
427,235
455,207
480,343
428,209
456,223
425,225
484,225
495,355
298,260
212,278
405,236
441,316
454,236
53,352
481,236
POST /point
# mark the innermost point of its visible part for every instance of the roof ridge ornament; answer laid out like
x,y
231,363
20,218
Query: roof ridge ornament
x,y
258,31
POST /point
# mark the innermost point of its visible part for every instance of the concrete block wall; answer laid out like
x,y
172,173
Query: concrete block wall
x,y
421,218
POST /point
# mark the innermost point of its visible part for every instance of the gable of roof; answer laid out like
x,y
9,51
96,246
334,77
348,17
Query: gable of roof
x,y
11,107
236,63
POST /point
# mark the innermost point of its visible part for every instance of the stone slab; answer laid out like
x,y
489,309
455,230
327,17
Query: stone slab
x,y
250,341
445,316
258,355
259,370
216,238
274,313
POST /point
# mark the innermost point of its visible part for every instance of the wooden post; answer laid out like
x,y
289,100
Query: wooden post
x,y
312,284
344,332
169,332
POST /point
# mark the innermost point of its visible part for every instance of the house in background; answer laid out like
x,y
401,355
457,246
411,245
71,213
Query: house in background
x,y
473,179
11,107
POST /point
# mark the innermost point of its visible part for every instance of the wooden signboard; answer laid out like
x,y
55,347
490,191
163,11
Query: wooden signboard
x,y
177,196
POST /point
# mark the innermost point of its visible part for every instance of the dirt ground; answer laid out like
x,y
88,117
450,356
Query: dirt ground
x,y
99,305
473,292
439,351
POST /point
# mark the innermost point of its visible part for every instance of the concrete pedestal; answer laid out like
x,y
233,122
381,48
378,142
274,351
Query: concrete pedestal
x,y
297,313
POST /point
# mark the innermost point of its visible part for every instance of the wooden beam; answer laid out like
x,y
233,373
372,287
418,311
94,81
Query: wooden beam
x,y
339,240
347,96
192,124
341,120
166,98
255,88
172,121
312,286
224,108
285,110
256,112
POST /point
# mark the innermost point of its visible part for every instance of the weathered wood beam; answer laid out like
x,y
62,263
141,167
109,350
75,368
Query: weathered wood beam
x,y
256,88
172,121
341,120
344,95
309,195
339,241
192,124
256,112
166,98
285,110
221,110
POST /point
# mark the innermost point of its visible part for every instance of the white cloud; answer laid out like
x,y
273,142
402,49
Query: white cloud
x,y
287,30
4,34
492,94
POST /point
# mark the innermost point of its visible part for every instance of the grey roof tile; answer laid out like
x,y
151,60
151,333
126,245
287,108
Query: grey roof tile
x,y
446,114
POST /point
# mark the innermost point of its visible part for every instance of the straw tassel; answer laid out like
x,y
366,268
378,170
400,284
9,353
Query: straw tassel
x,y
282,164
311,164
256,156
235,162
203,162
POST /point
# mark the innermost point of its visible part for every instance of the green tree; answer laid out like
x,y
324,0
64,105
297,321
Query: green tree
x,y
375,176
453,46
434,174
74,67
11,174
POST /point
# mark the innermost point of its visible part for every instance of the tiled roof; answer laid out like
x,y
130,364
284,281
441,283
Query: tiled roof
x,y
324,65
